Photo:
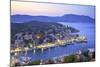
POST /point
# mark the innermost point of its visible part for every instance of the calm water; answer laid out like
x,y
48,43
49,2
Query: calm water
x,y
87,29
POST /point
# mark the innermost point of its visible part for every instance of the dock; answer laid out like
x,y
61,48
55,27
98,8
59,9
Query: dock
x,y
43,46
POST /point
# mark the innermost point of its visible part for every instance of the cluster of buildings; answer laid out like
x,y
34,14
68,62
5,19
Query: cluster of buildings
x,y
23,39
51,37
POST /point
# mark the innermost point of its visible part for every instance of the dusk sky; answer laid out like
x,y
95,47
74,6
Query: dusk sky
x,y
45,9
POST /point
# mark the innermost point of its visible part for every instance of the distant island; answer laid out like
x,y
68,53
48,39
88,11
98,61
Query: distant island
x,y
64,18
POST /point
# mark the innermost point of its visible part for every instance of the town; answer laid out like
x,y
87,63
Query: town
x,y
55,35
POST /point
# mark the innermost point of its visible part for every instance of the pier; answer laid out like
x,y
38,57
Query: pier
x,y
80,39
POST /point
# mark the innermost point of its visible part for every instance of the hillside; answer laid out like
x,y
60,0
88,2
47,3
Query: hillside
x,y
64,18
36,26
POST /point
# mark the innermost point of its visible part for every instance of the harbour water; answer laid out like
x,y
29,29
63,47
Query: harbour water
x,y
86,29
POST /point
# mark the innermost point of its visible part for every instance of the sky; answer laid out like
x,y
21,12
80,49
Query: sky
x,y
50,9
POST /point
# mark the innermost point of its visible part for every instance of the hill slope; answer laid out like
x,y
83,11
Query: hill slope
x,y
65,18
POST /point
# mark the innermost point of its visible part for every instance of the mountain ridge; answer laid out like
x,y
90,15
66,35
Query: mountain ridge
x,y
65,18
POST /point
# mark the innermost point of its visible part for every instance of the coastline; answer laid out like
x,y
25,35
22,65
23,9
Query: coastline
x,y
79,56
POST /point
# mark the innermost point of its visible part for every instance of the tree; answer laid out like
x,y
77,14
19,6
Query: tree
x,y
71,58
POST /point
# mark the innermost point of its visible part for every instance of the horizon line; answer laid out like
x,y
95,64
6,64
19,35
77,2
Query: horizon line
x,y
52,16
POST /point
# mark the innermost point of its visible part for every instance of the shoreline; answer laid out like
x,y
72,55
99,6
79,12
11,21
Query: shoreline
x,y
79,39
62,59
